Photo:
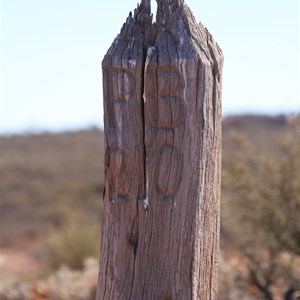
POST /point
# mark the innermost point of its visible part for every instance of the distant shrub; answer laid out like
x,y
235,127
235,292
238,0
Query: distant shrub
x,y
262,209
70,245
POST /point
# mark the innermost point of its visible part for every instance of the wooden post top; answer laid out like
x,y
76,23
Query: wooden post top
x,y
169,2
165,8
168,6
146,3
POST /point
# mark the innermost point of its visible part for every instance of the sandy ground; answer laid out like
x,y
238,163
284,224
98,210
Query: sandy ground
x,y
19,263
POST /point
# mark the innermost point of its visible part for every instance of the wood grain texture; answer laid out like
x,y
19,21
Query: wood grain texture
x,y
162,103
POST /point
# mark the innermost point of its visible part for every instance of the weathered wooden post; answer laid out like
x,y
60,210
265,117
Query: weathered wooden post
x,y
162,103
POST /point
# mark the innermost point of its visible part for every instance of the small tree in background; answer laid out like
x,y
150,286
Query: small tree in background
x,y
262,209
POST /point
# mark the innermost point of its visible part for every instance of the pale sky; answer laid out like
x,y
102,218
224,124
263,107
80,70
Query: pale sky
x,y
51,52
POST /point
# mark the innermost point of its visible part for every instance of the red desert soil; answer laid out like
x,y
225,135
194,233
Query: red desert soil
x,y
19,263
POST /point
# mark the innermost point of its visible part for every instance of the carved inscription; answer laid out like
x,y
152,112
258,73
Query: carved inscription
x,y
121,82
116,161
165,107
121,89
169,168
117,173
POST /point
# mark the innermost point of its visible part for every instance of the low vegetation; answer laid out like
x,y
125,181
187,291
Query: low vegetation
x,y
70,244
261,189
51,190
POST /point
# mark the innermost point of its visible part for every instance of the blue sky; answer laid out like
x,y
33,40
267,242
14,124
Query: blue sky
x,y
51,52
